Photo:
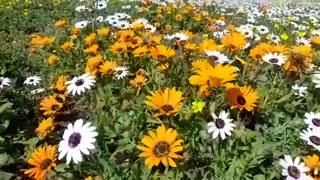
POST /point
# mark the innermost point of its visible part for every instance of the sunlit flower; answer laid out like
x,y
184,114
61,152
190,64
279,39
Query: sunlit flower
x,y
81,24
312,120
222,125
107,68
79,84
312,136
67,46
138,82
32,80
121,72
299,90
168,102
45,127
198,106
43,159
50,106
274,58
313,163
161,147
4,81
294,170
242,97
77,138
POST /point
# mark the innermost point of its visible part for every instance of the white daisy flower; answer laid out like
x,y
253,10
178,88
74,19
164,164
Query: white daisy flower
x,y
312,136
217,57
218,34
303,41
150,28
99,19
262,29
181,37
275,58
32,80
312,120
77,138
299,90
122,25
222,125
293,170
316,80
80,8
81,24
121,72
37,91
79,84
275,39
4,82
101,4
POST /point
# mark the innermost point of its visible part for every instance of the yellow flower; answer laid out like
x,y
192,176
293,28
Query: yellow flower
x,y
198,106
315,41
107,68
300,59
93,49
104,32
62,23
50,106
208,45
161,147
43,159
234,41
212,77
52,59
141,51
68,46
313,163
168,102
93,63
41,41
284,36
60,84
162,52
118,48
242,97
138,82
90,39
45,127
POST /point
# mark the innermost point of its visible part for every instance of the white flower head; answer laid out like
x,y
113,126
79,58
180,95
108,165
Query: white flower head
x,y
316,80
274,58
217,57
99,19
37,91
299,90
263,29
4,82
32,80
77,138
294,170
275,39
312,120
181,37
312,136
80,8
79,84
303,41
222,125
121,72
101,4
81,24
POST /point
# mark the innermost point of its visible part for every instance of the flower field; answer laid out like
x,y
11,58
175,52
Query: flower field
x,y
97,89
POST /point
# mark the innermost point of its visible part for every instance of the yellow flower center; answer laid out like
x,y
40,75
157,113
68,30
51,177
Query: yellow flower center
x,y
45,164
161,149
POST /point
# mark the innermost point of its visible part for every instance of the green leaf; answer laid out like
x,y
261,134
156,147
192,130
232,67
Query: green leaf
x,y
5,106
5,175
259,177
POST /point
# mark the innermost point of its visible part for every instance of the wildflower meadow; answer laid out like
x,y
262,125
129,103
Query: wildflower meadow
x,y
159,89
